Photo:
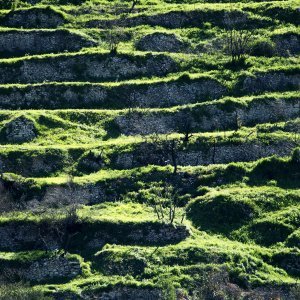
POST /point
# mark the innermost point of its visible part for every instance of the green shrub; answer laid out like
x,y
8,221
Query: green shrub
x,y
293,240
263,47
19,291
221,213
270,232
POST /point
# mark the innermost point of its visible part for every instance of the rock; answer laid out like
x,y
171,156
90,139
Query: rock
x,y
161,42
33,18
20,130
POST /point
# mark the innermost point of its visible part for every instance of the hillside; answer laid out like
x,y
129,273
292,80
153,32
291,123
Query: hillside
x,y
149,150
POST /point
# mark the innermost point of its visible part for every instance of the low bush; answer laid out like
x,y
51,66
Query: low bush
x,y
263,47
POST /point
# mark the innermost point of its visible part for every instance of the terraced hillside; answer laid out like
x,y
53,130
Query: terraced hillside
x,y
149,150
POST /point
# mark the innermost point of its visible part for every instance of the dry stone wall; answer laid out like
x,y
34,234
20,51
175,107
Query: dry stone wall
x,y
161,42
183,19
128,293
49,269
36,163
213,154
287,44
209,117
94,67
33,18
278,81
30,236
18,43
160,94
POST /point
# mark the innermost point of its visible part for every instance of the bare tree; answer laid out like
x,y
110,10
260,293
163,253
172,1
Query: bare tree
x,y
165,203
164,148
238,44
237,41
60,212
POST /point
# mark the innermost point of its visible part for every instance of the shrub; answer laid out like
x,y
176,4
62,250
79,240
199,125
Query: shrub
x,y
221,212
19,291
271,232
263,47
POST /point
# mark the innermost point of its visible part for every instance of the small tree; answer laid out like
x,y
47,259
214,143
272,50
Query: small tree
x,y
114,37
60,212
238,44
165,203
237,41
165,148
185,124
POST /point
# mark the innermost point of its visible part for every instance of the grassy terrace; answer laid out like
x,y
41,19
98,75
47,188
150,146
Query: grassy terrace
x,y
138,160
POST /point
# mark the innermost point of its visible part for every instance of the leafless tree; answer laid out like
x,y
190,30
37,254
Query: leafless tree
x,y
237,41
60,214
238,44
165,203
166,148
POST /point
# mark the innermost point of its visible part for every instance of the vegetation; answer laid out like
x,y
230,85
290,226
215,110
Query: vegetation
x,y
169,174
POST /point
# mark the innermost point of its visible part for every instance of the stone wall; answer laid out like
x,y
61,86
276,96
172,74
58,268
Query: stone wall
x,y
161,42
128,293
19,43
138,234
212,154
177,93
210,117
278,81
159,94
49,269
15,237
33,18
30,236
182,19
93,67
34,163
287,44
